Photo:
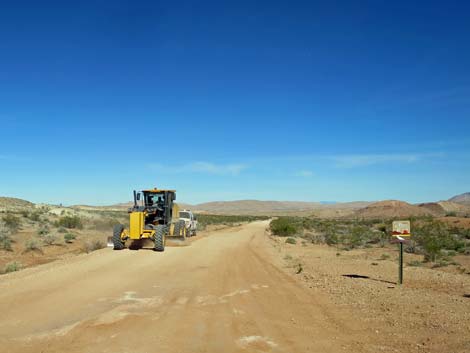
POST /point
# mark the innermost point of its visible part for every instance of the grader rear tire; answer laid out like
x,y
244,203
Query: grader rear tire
x,y
159,238
177,229
184,233
117,241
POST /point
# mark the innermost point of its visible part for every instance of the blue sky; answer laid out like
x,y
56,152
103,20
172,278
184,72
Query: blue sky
x,y
225,100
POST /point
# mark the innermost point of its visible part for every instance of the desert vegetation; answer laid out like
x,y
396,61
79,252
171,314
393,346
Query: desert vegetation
x,y
436,241
30,234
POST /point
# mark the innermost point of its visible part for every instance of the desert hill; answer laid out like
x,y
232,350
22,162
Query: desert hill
x,y
257,207
14,203
462,198
444,208
392,209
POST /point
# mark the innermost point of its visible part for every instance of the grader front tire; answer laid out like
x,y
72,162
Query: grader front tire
x,y
160,238
117,240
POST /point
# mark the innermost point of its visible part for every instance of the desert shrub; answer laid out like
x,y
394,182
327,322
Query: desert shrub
x,y
13,266
357,235
70,222
12,222
384,235
433,237
61,230
5,241
441,263
449,253
43,230
384,257
415,263
93,245
284,226
32,244
291,241
35,216
451,214
69,237
331,237
49,239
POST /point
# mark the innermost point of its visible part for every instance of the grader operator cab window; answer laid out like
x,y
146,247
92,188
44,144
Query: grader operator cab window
x,y
155,200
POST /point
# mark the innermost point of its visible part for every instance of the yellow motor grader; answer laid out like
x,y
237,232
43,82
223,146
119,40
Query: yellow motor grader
x,y
154,216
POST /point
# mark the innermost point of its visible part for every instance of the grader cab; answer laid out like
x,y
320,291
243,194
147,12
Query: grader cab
x,y
154,216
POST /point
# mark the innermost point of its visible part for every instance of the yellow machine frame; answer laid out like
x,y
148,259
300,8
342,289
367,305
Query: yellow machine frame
x,y
159,224
137,222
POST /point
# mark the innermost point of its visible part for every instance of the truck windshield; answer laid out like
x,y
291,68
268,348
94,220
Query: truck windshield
x,y
185,215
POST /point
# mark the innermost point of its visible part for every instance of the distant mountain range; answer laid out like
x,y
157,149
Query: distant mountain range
x,y
458,205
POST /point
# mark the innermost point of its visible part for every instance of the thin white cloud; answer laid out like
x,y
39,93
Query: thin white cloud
x,y
201,167
304,173
211,168
363,160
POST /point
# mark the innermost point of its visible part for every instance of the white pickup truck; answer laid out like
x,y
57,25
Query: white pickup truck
x,y
190,222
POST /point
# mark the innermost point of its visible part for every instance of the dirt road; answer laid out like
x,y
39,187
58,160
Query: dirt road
x,y
224,293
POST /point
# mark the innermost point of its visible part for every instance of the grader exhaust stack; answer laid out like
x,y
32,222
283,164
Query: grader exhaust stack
x,y
154,217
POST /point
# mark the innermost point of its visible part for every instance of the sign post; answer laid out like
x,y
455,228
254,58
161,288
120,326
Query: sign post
x,y
400,266
401,230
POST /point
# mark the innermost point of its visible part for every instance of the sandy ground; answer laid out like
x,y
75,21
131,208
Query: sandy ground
x,y
231,291
430,312
224,293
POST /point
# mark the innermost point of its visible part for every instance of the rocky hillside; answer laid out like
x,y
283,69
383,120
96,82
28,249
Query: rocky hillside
x,y
392,209
446,208
462,198
11,203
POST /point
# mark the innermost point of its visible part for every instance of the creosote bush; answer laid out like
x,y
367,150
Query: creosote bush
x,y
69,237
284,226
32,245
49,239
5,241
434,237
11,222
43,230
291,241
70,222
